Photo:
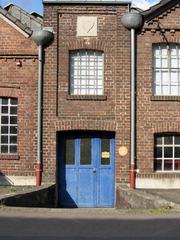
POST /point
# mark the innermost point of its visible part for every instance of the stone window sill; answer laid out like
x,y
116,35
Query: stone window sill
x,y
9,157
165,98
87,97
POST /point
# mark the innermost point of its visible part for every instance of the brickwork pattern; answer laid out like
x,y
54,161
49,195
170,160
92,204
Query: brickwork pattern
x,y
108,113
21,83
155,114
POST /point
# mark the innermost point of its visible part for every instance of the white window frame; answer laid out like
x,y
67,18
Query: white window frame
x,y
163,146
166,70
9,134
86,72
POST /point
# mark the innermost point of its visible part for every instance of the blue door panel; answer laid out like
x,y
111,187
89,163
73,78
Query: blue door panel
x,y
86,188
68,196
106,188
90,185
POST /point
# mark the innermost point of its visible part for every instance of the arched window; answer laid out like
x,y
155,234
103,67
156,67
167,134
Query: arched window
x,y
166,69
8,125
86,72
167,152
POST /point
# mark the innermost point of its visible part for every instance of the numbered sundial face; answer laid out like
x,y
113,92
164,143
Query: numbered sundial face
x,y
86,26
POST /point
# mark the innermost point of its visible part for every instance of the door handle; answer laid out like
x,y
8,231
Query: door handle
x,y
94,170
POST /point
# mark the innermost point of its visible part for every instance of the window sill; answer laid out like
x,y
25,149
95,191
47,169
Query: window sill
x,y
165,98
9,157
87,97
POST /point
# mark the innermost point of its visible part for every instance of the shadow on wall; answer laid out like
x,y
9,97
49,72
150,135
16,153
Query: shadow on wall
x,y
44,197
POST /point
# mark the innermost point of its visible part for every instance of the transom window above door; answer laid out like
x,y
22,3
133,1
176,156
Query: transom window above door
x,y
86,72
166,69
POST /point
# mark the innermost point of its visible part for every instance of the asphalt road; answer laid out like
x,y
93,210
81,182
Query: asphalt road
x,y
85,225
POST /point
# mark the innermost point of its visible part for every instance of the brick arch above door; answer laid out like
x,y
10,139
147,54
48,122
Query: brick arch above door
x,y
100,125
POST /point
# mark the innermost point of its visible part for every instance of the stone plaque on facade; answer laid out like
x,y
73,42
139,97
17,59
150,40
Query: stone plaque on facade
x,y
86,26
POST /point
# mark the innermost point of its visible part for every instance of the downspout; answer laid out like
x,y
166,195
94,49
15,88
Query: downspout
x,y
41,38
133,21
133,110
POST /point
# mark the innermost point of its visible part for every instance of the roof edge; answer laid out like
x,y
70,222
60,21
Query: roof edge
x,y
108,2
158,9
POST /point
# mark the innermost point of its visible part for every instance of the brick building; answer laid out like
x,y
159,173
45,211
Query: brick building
x,y
86,127
87,101
18,84
158,75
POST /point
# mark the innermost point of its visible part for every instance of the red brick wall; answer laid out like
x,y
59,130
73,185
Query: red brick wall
x,y
62,112
154,114
19,82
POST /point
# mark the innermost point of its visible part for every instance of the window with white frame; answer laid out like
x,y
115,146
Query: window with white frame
x,y
8,125
166,69
86,72
167,153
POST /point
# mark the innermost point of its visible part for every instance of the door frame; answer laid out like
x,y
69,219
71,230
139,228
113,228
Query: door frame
x,y
80,133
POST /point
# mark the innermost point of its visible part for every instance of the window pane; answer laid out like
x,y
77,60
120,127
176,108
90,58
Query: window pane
x,y
168,140
174,62
158,152
4,149
177,165
85,151
164,62
165,90
177,152
4,101
158,90
4,109
13,101
13,149
157,62
13,139
4,119
177,140
167,165
13,130
13,120
168,152
4,139
70,151
4,130
13,110
158,140
174,90
105,151
158,165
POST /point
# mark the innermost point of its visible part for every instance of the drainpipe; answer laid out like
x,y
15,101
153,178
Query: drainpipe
x,y
133,21
41,38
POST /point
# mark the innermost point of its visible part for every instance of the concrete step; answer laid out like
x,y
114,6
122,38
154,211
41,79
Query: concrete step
x,y
142,199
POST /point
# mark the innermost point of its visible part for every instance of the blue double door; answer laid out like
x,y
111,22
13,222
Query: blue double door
x,y
86,170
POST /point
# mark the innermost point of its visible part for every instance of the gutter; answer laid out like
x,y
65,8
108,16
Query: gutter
x,y
117,2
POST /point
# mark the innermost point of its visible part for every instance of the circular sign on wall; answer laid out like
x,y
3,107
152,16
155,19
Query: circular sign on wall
x,y
123,151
